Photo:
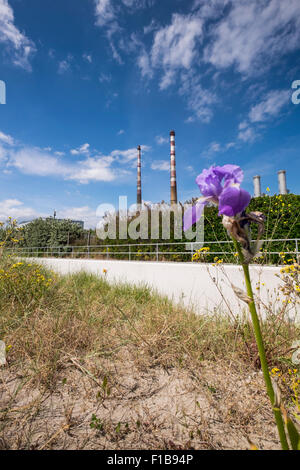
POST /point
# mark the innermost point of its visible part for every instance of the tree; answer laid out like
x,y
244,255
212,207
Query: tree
x,y
51,232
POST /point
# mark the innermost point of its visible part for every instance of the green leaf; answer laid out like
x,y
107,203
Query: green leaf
x,y
118,428
293,434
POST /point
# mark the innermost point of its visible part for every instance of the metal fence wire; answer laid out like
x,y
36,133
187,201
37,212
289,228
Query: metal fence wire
x,y
273,251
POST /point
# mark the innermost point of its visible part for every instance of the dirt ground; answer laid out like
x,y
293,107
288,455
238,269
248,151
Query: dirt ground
x,y
125,407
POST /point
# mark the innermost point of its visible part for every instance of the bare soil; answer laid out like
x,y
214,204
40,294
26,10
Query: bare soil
x,y
128,406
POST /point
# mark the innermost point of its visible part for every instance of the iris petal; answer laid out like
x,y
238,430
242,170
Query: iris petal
x,y
221,185
209,181
233,200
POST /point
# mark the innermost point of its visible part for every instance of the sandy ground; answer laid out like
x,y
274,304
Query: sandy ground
x,y
216,407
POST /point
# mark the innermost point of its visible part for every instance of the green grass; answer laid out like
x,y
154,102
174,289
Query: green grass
x,y
79,349
84,316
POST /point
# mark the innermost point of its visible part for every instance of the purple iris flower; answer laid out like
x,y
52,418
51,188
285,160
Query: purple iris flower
x,y
233,200
209,182
230,198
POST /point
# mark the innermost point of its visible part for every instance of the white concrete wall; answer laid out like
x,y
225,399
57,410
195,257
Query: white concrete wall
x,y
195,285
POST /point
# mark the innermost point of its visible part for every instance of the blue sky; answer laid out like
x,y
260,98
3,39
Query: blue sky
x,y
89,80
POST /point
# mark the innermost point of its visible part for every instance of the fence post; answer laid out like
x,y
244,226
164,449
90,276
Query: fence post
x,y
107,253
297,251
192,250
157,252
129,253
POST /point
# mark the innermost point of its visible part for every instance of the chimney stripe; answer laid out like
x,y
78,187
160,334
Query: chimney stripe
x,y
173,182
139,177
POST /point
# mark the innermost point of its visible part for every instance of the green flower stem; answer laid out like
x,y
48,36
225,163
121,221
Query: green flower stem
x,y
261,348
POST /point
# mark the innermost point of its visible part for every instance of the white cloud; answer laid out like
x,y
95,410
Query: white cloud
x,y
92,166
65,65
6,139
255,34
51,53
249,36
230,145
32,161
106,17
108,13
105,12
15,209
216,147
247,134
161,140
84,213
105,78
88,58
213,148
151,27
161,165
211,9
3,153
270,106
199,100
83,150
175,46
127,156
93,169
20,47
243,125
190,119
121,132
190,169
115,52
136,4
144,64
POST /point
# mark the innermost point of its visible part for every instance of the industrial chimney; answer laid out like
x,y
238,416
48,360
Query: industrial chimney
x,y
139,178
173,170
257,186
282,182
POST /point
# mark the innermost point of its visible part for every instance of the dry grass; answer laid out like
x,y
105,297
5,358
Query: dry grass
x,y
96,366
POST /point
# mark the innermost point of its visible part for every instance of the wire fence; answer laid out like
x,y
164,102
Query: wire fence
x,y
273,251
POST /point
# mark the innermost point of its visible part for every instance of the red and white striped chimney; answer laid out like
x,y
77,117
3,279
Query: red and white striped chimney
x,y
173,169
139,178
